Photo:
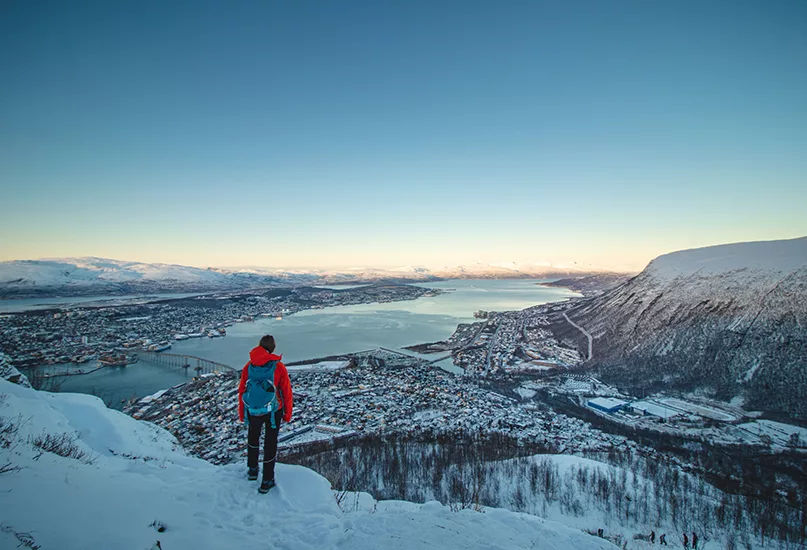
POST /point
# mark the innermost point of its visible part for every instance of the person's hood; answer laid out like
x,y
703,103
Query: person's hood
x,y
259,356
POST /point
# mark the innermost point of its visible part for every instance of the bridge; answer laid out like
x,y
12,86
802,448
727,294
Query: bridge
x,y
197,365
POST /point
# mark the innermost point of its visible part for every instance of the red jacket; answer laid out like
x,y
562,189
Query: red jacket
x,y
259,356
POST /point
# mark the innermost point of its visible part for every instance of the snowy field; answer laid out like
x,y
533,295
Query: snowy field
x,y
779,433
133,474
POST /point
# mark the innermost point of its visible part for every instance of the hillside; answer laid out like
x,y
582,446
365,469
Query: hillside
x,y
727,321
124,475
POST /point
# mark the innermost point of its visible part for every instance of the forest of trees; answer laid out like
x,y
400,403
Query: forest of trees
x,y
625,489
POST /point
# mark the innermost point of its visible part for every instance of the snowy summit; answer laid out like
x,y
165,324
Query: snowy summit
x,y
774,256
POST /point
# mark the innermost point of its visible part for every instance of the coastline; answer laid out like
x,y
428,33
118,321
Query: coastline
x,y
202,311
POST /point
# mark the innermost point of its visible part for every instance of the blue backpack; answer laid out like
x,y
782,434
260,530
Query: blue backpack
x,y
260,394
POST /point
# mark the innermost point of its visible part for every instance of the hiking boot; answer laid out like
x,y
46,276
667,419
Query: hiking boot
x,y
266,485
252,474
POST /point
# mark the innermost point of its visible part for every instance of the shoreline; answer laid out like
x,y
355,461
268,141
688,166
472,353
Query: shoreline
x,y
372,294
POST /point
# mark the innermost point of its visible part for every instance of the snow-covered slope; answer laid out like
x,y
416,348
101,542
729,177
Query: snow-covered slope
x,y
764,256
74,276
125,475
10,373
730,321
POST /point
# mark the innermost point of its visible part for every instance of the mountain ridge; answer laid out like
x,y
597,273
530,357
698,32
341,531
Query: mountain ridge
x,y
95,276
725,321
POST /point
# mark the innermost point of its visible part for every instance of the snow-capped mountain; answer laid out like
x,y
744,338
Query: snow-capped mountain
x,y
89,276
510,270
729,321
77,475
100,276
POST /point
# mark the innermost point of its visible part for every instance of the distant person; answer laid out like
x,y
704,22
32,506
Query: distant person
x,y
686,541
652,537
264,399
662,540
694,541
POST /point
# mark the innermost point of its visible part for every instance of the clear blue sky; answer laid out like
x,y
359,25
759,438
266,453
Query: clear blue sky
x,y
301,133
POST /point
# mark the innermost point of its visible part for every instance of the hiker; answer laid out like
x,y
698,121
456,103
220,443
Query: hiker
x,y
694,541
686,541
652,537
662,540
264,399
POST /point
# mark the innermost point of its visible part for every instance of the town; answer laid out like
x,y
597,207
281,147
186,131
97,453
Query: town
x,y
517,379
81,333
369,393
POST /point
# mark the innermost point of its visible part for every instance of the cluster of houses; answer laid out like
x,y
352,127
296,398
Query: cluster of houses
x,y
516,342
373,392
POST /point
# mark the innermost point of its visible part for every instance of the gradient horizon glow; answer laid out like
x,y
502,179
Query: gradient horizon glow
x,y
414,133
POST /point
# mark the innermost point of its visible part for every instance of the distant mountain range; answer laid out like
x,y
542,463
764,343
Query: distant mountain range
x,y
725,321
100,276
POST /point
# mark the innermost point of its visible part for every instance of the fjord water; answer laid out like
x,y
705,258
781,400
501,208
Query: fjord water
x,y
344,329
331,331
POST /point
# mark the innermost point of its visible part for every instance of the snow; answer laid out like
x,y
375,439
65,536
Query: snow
x,y
10,373
59,271
774,256
749,374
778,432
137,474
525,393
406,525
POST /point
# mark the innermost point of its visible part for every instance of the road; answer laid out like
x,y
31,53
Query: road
x,y
584,331
490,346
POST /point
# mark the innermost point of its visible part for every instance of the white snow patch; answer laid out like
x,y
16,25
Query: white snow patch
x,y
749,374
525,393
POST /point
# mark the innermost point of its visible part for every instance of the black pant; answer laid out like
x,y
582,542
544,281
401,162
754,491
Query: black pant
x,y
269,443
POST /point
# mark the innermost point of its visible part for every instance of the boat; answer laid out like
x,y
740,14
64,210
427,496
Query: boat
x,y
213,334
195,334
222,332
162,346
181,336
113,360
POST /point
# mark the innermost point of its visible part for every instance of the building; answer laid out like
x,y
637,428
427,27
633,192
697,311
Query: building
x,y
648,408
606,404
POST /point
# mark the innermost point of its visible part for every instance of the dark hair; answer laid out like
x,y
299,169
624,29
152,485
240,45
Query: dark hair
x,y
268,343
